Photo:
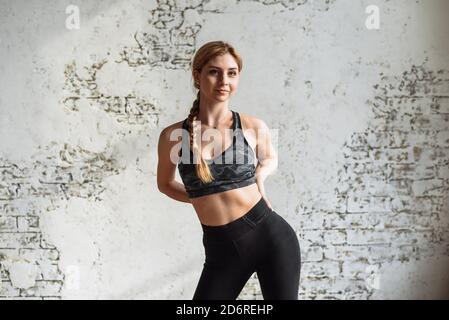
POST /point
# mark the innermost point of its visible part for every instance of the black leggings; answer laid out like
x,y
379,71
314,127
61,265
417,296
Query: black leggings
x,y
260,241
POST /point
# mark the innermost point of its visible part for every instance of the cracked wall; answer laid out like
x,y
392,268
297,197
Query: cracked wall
x,y
363,144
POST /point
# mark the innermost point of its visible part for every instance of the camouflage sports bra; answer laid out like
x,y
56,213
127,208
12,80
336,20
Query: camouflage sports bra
x,y
234,168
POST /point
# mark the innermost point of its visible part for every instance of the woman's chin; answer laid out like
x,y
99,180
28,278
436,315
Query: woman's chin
x,y
222,98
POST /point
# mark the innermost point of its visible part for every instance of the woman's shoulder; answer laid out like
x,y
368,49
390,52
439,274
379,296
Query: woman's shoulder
x,y
251,122
173,126
168,130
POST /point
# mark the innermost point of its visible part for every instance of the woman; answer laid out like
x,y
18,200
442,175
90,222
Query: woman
x,y
241,232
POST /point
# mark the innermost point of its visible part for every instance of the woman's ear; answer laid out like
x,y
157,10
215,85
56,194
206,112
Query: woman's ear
x,y
196,77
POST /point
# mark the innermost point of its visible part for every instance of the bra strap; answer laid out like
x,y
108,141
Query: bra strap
x,y
184,124
238,124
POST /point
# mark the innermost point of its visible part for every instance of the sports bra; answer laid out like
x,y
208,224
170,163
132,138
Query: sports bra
x,y
234,168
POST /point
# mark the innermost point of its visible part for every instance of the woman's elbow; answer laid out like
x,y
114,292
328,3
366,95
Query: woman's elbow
x,y
162,186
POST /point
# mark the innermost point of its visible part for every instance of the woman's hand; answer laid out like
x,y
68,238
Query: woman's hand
x,y
260,180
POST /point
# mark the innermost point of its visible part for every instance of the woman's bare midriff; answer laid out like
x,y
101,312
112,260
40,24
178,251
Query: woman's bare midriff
x,y
224,207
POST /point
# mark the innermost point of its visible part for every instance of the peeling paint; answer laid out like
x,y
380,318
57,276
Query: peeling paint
x,y
130,109
55,174
389,153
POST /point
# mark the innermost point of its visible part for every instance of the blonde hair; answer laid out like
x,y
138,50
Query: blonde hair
x,y
208,51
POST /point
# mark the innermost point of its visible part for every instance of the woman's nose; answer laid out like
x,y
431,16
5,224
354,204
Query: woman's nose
x,y
224,79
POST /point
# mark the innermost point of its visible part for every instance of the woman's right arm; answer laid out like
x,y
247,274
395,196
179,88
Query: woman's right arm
x,y
166,182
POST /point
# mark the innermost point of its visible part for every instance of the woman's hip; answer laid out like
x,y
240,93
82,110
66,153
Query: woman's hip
x,y
238,228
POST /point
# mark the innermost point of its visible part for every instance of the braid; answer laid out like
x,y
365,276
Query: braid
x,y
202,169
194,111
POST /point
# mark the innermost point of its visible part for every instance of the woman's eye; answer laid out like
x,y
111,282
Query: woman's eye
x,y
215,71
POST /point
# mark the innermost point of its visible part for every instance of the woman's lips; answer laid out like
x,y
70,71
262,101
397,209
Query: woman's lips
x,y
222,91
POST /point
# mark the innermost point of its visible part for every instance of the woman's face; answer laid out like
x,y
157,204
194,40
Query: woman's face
x,y
220,73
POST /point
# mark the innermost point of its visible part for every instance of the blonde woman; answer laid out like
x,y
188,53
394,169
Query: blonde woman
x,y
242,234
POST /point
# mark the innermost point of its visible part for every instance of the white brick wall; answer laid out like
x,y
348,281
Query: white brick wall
x,y
363,120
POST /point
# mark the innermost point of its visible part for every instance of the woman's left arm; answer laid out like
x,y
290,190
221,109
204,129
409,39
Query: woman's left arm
x,y
266,156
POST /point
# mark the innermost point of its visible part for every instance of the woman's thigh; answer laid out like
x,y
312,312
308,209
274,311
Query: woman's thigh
x,y
279,271
224,273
